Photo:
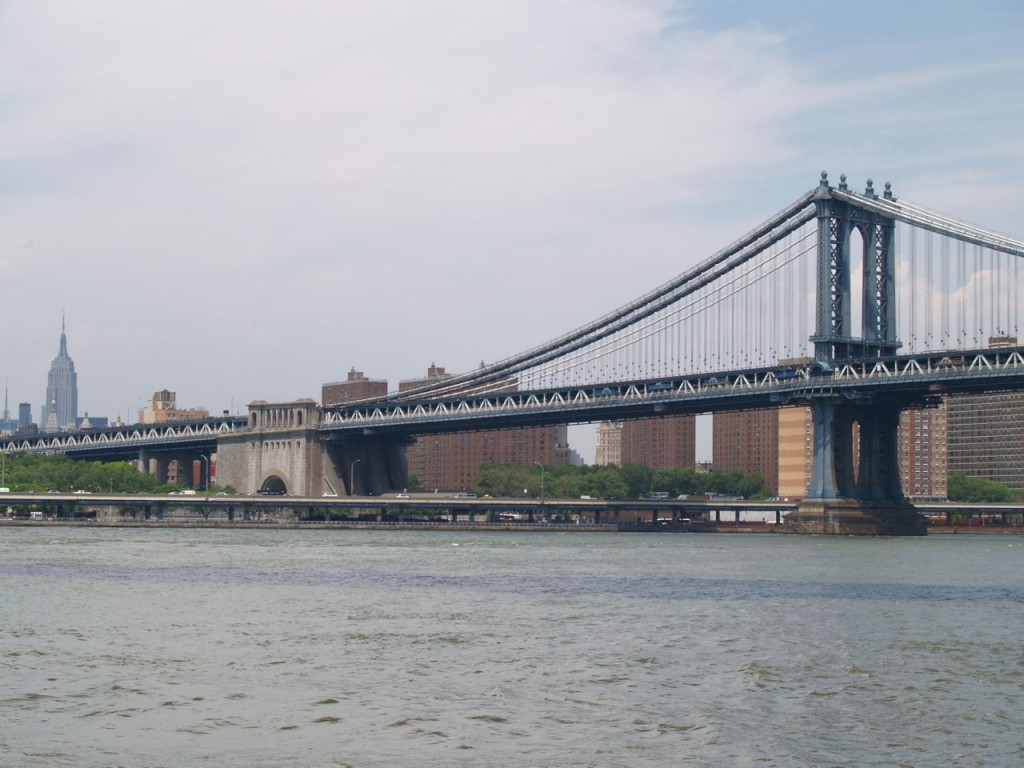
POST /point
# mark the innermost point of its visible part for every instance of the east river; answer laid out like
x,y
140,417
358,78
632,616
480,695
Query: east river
x,y
164,647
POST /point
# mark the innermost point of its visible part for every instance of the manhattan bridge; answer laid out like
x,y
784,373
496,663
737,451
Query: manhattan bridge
x,y
857,305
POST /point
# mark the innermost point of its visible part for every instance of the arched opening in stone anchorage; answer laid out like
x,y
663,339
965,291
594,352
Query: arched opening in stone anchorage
x,y
273,486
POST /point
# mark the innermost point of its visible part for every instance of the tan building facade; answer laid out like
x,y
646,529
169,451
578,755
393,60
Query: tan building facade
x,y
796,447
163,407
608,451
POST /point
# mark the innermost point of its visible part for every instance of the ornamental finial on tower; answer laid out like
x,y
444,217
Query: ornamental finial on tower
x,y
888,191
823,188
842,182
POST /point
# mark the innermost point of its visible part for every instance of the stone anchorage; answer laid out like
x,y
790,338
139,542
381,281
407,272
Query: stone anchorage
x,y
850,517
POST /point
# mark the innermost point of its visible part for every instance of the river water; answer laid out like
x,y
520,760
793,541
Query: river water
x,y
164,647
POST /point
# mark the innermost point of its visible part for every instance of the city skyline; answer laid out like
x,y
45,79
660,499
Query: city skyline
x,y
244,204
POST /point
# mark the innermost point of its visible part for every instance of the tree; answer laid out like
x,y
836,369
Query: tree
x,y
27,472
566,481
979,489
637,478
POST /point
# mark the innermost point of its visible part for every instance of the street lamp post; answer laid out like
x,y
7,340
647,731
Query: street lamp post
x,y
352,478
544,512
206,485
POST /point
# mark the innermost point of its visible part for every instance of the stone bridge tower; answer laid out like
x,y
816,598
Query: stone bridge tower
x,y
280,452
283,451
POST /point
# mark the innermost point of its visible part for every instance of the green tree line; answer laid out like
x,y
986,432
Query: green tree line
x,y
26,472
964,488
630,481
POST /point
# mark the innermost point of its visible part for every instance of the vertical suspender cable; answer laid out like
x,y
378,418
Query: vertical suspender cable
x,y
1013,294
912,309
963,292
976,290
704,331
991,270
991,273
1005,274
944,289
929,289
805,300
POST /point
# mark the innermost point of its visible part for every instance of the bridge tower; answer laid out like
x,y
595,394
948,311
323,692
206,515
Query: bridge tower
x,y
839,500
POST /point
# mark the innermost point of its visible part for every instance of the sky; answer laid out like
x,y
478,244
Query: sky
x,y
243,200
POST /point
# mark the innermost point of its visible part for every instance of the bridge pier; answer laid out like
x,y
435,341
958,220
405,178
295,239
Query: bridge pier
x,y
872,504
367,466
853,517
878,477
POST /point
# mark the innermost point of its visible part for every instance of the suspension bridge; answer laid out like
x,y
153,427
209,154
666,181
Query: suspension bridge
x,y
855,304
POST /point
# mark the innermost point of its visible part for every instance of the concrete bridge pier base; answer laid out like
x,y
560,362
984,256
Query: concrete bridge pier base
x,y
372,466
869,502
850,517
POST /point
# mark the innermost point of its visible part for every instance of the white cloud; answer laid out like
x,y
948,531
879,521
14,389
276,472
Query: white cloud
x,y
251,197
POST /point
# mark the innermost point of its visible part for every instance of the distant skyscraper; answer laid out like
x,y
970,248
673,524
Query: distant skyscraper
x,y
6,423
60,409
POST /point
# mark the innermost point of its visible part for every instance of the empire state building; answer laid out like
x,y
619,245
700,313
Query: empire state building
x,y
60,409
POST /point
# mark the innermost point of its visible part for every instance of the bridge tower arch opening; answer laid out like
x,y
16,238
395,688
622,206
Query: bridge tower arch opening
x,y
858,297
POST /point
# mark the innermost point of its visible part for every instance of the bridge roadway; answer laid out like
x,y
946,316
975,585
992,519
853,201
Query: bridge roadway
x,y
72,505
914,378
125,442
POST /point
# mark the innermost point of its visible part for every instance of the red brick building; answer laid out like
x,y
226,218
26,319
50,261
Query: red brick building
x,y
452,461
748,441
669,441
355,387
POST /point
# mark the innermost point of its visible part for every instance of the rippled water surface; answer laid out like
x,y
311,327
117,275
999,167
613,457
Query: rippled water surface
x,y
361,648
